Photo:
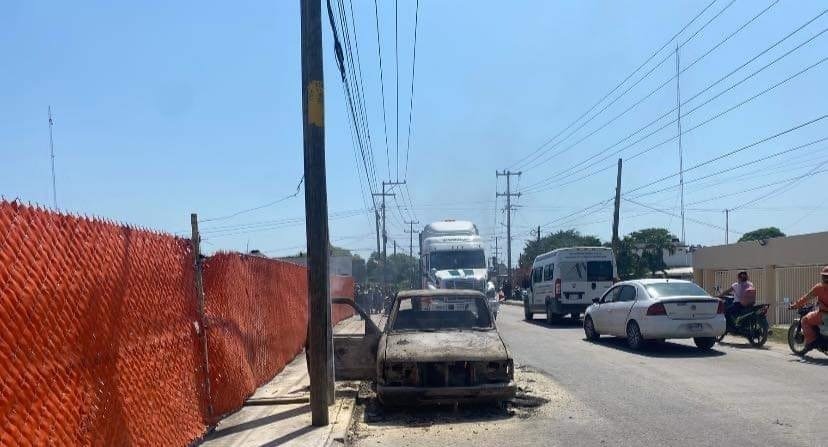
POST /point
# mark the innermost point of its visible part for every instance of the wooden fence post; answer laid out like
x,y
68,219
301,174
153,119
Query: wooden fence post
x,y
202,318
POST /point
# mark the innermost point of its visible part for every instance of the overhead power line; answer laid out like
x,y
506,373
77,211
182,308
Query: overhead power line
x,y
397,75
382,89
256,208
791,182
286,223
738,150
668,213
653,91
670,139
552,179
723,171
523,162
351,77
411,95
785,181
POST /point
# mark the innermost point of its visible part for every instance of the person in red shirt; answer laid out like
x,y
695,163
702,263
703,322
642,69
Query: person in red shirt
x,y
811,322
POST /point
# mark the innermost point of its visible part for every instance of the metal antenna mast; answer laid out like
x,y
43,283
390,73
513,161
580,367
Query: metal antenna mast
x,y
681,152
52,153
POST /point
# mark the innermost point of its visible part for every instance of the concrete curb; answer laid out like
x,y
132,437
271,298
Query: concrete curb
x,y
343,414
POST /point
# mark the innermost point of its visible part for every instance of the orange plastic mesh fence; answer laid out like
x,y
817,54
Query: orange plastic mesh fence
x,y
97,342
98,333
257,313
341,287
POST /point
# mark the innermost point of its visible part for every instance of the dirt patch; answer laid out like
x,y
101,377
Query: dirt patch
x,y
537,396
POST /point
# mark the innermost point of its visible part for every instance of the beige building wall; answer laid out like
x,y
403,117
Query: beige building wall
x,y
780,268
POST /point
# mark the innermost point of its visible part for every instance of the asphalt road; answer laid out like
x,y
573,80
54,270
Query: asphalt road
x,y
673,394
603,394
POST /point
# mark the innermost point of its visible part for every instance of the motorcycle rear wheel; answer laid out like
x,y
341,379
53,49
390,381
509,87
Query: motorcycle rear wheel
x,y
758,333
796,339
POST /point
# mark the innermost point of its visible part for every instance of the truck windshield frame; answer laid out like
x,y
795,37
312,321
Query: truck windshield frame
x,y
457,259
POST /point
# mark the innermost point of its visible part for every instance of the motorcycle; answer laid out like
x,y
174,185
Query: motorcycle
x,y
751,324
796,339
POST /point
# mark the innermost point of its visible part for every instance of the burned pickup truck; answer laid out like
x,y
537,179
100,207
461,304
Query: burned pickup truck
x,y
438,346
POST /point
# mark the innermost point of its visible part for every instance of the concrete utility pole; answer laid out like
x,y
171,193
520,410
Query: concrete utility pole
x,y
411,236
320,362
727,226
615,217
508,194
377,221
385,194
395,246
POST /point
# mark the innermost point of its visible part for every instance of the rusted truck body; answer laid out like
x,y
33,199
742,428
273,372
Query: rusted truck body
x,y
438,346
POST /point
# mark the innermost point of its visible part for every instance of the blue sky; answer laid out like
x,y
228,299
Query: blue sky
x,y
167,108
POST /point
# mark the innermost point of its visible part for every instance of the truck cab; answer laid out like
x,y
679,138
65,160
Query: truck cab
x,y
452,257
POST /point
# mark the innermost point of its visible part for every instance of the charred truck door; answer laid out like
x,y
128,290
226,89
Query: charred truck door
x,y
355,355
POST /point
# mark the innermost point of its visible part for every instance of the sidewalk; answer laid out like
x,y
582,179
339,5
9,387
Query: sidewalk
x,y
278,413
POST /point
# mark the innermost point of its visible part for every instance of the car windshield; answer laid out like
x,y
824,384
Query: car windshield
x,y
431,313
664,289
460,259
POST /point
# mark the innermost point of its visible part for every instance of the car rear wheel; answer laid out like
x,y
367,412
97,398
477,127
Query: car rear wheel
x,y
634,338
704,343
589,329
551,317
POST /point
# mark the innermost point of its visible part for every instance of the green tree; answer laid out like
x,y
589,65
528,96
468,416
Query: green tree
x,y
401,269
762,234
339,251
358,268
627,259
642,252
561,239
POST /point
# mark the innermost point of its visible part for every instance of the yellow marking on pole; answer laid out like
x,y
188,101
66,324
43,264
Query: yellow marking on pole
x,y
316,109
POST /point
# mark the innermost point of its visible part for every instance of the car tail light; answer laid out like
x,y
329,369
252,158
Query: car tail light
x,y
558,288
656,309
721,308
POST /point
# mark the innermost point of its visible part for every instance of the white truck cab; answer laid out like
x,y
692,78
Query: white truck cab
x,y
452,256
565,281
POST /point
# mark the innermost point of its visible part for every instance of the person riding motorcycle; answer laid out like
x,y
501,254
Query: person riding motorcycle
x,y
812,320
742,299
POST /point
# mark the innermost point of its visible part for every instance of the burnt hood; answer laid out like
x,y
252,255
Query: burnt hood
x,y
457,345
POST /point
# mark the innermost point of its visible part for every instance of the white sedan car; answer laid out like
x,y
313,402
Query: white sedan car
x,y
656,309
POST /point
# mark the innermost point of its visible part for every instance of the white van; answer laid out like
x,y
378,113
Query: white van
x,y
565,281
